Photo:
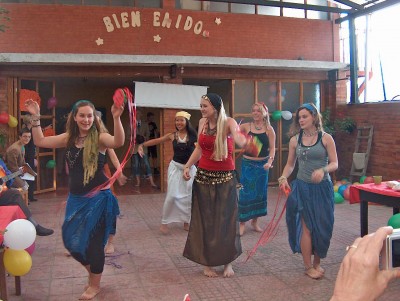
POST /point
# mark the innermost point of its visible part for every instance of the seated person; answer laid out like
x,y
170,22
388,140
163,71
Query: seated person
x,y
15,157
11,197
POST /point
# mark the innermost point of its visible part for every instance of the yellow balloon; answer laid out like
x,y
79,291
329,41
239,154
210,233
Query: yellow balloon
x,y
12,121
335,188
17,262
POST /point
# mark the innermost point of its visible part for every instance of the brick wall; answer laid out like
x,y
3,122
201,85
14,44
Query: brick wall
x,y
385,152
73,29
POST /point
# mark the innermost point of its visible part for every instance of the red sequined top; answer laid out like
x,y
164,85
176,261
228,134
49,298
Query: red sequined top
x,y
206,143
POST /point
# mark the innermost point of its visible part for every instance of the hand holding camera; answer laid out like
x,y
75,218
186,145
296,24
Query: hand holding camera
x,y
359,276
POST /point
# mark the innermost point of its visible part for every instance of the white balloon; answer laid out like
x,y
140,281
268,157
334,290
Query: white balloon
x,y
287,115
20,234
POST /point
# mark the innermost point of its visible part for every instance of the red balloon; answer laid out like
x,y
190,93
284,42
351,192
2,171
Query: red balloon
x,y
31,248
368,180
346,193
4,117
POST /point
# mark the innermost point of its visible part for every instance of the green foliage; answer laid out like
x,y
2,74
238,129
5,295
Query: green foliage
x,y
343,124
3,139
3,18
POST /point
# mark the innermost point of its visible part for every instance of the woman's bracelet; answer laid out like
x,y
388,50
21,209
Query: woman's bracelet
x,y
186,167
325,169
271,158
281,179
35,126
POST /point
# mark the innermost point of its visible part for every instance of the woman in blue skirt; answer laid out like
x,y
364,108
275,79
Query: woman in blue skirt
x,y
310,204
256,162
90,215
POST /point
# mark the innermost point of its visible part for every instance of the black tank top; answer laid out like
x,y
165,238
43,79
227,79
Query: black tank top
x,y
263,139
74,157
183,151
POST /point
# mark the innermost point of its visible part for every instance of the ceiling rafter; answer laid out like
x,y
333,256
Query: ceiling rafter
x,y
356,10
328,9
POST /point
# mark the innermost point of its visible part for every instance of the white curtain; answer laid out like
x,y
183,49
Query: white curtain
x,y
156,95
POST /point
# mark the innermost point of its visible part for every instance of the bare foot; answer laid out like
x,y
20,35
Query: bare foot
x,y
90,293
241,228
186,226
210,272
109,248
228,270
164,229
319,269
255,225
313,273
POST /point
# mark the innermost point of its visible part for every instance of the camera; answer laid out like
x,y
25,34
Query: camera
x,y
391,251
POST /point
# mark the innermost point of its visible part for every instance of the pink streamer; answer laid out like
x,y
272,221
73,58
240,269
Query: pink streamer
x,y
272,227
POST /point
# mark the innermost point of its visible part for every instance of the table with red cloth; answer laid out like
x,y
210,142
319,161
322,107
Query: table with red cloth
x,y
375,193
7,215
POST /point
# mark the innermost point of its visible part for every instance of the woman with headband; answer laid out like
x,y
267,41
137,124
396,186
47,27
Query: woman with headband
x,y
310,204
256,163
178,200
213,238
89,217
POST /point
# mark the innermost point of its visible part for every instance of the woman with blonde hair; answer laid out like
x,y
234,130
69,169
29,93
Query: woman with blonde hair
x,y
256,163
213,238
90,214
178,200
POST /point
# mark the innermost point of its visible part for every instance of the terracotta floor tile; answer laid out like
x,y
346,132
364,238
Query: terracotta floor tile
x,y
148,265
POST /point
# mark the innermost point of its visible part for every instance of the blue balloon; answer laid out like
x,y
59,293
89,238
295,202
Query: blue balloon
x,y
342,188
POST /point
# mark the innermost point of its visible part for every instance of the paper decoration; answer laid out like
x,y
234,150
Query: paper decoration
x,y
99,41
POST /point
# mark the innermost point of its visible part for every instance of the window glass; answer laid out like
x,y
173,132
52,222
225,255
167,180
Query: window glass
x,y
312,14
148,3
290,96
41,1
190,4
243,8
219,7
96,2
311,93
243,96
70,2
293,12
122,3
268,10
267,93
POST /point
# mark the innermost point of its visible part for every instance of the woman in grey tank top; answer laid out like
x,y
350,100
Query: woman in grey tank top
x,y
310,203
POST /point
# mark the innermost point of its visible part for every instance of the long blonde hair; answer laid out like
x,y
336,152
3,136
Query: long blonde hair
x,y
91,145
220,145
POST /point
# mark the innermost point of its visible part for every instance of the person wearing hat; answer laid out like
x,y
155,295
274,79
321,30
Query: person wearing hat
x,y
213,238
177,205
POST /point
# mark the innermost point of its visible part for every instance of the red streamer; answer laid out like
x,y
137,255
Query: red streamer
x,y
132,142
272,227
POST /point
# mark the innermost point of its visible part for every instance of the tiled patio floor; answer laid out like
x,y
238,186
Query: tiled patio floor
x,y
149,266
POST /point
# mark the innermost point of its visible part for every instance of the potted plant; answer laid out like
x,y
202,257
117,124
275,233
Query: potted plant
x,y
342,124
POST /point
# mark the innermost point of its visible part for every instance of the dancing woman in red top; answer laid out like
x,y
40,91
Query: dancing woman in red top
x,y
213,238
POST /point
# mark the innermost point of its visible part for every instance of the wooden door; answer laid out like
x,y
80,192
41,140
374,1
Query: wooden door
x,y
43,90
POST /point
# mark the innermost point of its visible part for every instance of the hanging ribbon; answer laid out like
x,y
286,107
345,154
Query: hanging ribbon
x,y
128,98
272,227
